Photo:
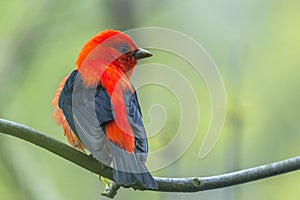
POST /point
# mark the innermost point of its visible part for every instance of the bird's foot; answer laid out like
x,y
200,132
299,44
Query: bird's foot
x,y
110,188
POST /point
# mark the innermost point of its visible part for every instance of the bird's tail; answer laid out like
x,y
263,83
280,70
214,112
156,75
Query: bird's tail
x,y
129,169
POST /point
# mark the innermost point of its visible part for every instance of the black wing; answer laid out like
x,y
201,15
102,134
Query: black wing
x,y
78,104
130,168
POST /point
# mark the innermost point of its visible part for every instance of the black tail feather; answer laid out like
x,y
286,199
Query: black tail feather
x,y
130,170
128,179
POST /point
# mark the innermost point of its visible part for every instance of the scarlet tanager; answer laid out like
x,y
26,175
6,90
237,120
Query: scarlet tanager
x,y
97,107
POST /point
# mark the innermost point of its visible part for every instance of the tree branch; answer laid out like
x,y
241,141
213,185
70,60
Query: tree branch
x,y
193,184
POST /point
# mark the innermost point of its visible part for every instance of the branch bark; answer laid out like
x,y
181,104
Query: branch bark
x,y
191,184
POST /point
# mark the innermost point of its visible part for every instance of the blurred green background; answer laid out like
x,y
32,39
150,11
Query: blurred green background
x,y
255,44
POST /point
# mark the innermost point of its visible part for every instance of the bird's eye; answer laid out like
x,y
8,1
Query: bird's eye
x,y
124,49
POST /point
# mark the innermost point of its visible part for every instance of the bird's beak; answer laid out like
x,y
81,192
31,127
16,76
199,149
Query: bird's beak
x,y
142,53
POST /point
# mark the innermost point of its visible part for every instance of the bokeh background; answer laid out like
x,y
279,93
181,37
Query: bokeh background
x,y
254,43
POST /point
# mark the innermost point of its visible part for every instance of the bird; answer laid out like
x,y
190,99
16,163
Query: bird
x,y
98,108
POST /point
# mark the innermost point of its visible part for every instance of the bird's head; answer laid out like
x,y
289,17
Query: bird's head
x,y
110,47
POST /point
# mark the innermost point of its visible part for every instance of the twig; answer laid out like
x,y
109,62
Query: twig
x,y
193,184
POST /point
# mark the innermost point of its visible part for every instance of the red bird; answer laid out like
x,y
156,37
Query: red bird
x,y
98,108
